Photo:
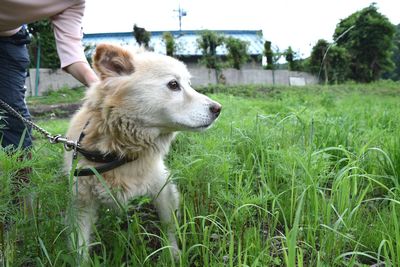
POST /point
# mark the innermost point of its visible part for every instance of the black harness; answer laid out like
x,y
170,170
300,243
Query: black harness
x,y
110,160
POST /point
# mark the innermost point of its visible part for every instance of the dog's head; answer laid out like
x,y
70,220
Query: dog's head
x,y
151,89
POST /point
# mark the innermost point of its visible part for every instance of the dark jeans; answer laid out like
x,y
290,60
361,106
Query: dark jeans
x,y
14,62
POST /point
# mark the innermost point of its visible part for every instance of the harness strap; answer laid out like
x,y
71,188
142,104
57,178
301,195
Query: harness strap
x,y
100,169
111,160
97,156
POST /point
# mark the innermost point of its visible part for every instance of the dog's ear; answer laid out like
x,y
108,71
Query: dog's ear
x,y
111,61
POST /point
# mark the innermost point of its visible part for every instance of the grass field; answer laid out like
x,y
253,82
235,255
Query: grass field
x,y
287,177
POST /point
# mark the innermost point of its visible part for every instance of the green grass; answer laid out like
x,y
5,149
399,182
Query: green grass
x,y
61,96
294,177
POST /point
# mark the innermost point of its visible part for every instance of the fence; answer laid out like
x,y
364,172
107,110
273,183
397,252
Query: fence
x,y
53,80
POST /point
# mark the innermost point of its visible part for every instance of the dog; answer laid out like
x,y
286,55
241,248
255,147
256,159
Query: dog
x,y
134,113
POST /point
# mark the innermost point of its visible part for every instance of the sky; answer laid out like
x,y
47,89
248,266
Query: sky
x,y
296,23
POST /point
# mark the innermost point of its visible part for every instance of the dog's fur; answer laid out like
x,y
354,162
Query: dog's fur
x,y
135,111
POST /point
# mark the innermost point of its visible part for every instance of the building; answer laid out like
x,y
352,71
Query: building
x,y
186,42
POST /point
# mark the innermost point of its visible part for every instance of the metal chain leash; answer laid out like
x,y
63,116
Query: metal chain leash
x,y
110,162
54,139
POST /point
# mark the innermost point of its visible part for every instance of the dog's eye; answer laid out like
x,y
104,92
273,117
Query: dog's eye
x,y
173,85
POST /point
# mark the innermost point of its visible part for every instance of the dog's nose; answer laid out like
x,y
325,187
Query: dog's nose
x,y
215,109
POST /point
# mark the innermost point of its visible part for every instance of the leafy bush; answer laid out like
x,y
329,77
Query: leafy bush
x,y
43,40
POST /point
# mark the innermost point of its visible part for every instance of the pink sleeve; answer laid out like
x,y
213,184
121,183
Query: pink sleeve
x,y
68,34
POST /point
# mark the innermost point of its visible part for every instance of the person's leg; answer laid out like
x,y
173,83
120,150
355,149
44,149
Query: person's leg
x,y
14,61
14,135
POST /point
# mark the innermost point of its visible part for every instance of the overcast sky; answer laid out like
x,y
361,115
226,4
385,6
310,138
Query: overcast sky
x,y
298,23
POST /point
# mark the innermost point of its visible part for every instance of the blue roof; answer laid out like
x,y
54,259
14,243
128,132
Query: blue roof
x,y
185,40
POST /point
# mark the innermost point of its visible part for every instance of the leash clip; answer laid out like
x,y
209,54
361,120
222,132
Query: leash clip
x,y
68,144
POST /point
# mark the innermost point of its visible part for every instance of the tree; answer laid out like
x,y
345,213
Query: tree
x,y
295,63
170,46
208,43
317,65
330,62
237,52
273,54
290,56
395,75
142,36
43,43
337,64
367,36
269,55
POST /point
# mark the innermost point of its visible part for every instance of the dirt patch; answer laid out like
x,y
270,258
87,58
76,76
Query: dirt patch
x,y
56,110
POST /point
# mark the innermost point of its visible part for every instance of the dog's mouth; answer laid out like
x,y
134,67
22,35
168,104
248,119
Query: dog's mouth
x,y
202,127
182,126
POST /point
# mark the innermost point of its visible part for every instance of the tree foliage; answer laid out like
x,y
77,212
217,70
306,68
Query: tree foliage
x,y
272,54
208,42
395,75
317,55
237,52
330,62
290,58
289,55
142,36
43,36
367,35
337,63
170,45
295,63
269,55
362,50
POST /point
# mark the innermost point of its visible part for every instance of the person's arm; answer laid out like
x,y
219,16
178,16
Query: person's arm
x,y
68,34
82,72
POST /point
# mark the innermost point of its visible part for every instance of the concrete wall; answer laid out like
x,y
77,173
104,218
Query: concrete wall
x,y
48,80
203,76
53,80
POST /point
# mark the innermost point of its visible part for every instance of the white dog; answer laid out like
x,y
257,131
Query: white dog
x,y
129,119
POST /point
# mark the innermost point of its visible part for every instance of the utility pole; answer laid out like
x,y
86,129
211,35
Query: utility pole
x,y
181,13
